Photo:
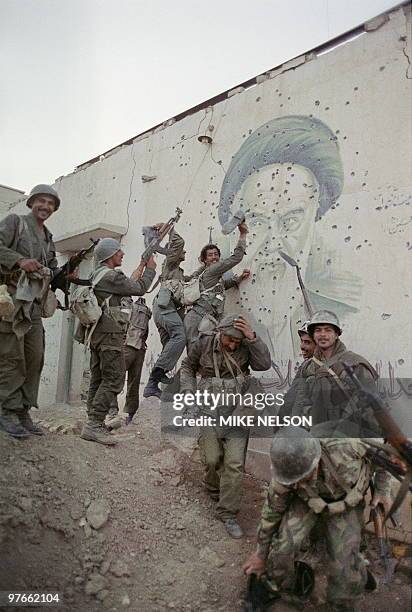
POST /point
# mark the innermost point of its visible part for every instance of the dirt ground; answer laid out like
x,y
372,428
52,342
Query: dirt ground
x,y
129,527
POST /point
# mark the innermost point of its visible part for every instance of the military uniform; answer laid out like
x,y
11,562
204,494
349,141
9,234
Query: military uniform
x,y
213,287
223,448
321,389
107,363
134,353
331,499
168,313
22,346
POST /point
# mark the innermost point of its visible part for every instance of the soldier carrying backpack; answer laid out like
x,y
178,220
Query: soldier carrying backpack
x,y
107,334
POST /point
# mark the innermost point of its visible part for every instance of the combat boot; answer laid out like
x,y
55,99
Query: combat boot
x,y
9,422
152,387
233,528
95,432
25,420
163,378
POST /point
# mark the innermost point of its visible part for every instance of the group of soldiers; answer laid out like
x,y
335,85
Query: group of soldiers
x,y
317,481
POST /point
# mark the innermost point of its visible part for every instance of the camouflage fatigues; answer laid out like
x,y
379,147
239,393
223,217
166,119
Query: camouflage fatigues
x,y
107,363
213,287
22,356
336,509
223,448
317,393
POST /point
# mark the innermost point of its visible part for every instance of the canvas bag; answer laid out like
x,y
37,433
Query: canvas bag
x,y
192,291
83,300
48,302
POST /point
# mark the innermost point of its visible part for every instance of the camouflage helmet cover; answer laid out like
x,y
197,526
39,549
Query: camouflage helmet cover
x,y
43,190
294,454
324,317
304,328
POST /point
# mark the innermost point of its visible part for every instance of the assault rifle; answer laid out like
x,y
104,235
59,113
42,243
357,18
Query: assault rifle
x,y
60,280
390,429
400,447
152,239
389,563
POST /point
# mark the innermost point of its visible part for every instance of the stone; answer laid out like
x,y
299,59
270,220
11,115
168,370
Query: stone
x,y
25,504
104,568
94,584
98,513
119,569
168,463
125,600
87,530
76,513
101,595
211,557
175,481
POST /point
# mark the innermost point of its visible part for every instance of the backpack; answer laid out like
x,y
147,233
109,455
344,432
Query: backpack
x,y
83,300
192,290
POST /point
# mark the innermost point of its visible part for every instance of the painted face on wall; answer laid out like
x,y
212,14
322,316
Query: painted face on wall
x,y
280,202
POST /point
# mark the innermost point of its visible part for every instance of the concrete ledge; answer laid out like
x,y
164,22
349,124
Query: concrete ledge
x,y
75,241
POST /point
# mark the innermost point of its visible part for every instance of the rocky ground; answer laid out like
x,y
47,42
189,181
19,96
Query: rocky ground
x,y
129,527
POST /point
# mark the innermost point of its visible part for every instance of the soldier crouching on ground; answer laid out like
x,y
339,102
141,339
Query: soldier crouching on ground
x,y
107,365
223,358
319,482
27,264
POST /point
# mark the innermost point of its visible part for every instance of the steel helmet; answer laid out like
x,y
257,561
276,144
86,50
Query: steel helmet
x,y
105,249
294,454
43,190
324,317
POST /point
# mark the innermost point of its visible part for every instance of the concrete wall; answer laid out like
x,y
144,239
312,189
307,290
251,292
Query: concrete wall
x,y
8,196
333,191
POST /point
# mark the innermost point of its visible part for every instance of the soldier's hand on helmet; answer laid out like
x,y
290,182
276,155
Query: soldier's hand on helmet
x,y
245,274
151,263
254,565
241,324
383,500
29,265
243,228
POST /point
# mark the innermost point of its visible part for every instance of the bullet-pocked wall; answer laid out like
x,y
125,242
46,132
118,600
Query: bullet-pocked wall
x,y
318,155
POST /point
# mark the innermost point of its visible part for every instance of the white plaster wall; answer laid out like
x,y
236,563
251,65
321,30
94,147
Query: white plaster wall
x,y
362,91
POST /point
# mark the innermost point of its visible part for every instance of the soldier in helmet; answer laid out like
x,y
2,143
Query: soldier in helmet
x,y
27,262
316,482
223,358
307,345
323,387
107,363
212,286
